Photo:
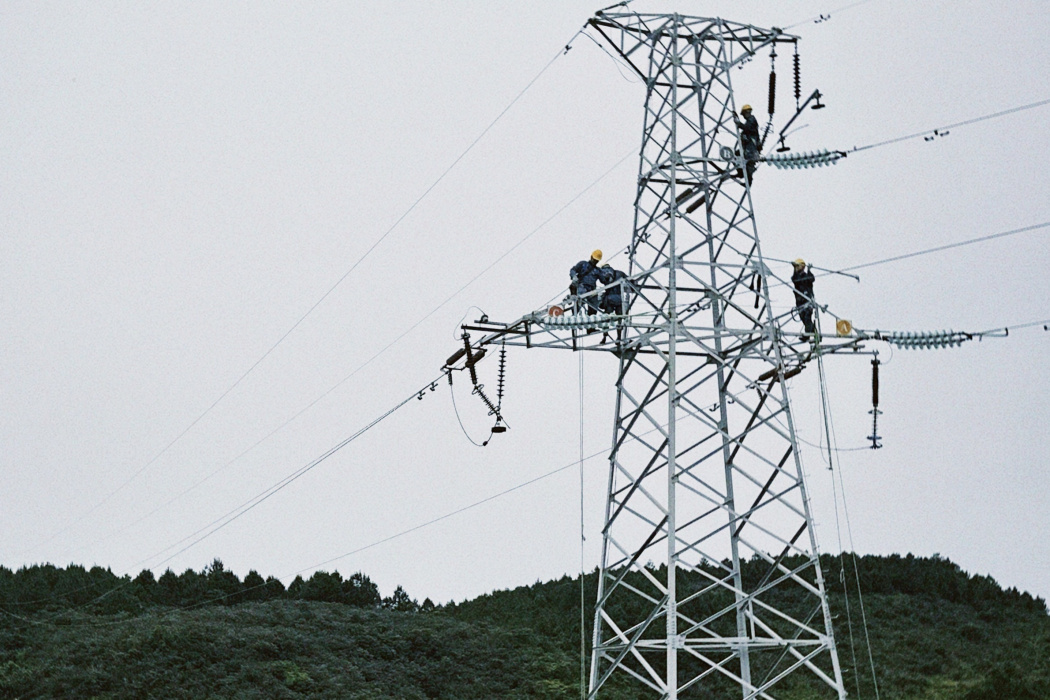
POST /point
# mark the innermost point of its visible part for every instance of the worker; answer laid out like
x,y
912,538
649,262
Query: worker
x,y
614,300
584,277
802,278
749,139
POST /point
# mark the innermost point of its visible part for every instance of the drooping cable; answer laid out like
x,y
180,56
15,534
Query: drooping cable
x,y
452,393
583,539
630,77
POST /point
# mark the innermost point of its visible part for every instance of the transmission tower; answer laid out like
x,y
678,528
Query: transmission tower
x,y
709,566
710,583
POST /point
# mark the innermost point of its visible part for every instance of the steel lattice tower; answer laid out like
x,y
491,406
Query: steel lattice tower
x,y
710,574
710,581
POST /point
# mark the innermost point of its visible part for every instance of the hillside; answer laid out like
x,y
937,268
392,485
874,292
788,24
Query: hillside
x,y
936,634
277,649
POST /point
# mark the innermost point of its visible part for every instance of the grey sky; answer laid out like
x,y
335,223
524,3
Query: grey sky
x,y
180,183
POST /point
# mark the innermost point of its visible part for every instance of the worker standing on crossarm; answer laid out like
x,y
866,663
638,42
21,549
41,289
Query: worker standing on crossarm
x,y
584,277
802,278
749,139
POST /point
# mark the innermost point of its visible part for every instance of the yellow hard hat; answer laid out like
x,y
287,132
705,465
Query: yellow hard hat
x,y
799,263
745,108
597,255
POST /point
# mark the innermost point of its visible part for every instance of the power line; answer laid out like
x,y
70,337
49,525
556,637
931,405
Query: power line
x,y
389,345
529,235
316,304
823,18
295,475
941,129
970,241
493,264
376,543
428,315
232,515
413,327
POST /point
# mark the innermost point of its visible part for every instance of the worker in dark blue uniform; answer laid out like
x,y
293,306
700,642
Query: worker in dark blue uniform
x,y
749,139
584,277
802,278
614,301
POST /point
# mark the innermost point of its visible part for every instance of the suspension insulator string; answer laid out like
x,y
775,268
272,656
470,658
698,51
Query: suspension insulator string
x,y
502,374
500,426
772,101
875,412
798,78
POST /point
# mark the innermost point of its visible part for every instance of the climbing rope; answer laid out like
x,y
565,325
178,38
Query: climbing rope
x,y
860,593
583,539
826,415
829,433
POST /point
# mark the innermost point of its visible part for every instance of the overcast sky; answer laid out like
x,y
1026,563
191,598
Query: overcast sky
x,y
180,183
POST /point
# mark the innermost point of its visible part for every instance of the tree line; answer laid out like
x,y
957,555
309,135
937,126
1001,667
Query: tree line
x,y
45,587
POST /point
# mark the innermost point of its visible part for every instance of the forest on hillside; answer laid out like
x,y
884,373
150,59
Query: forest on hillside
x,y
936,633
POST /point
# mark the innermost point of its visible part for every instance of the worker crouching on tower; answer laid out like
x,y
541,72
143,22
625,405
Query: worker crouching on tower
x,y
802,278
749,139
614,300
584,277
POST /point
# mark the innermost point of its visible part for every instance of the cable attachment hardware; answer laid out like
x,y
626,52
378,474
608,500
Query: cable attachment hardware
x,y
875,412
924,340
479,389
471,355
816,159
500,426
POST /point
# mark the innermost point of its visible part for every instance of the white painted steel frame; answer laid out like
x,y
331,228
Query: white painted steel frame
x,y
706,489
710,581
